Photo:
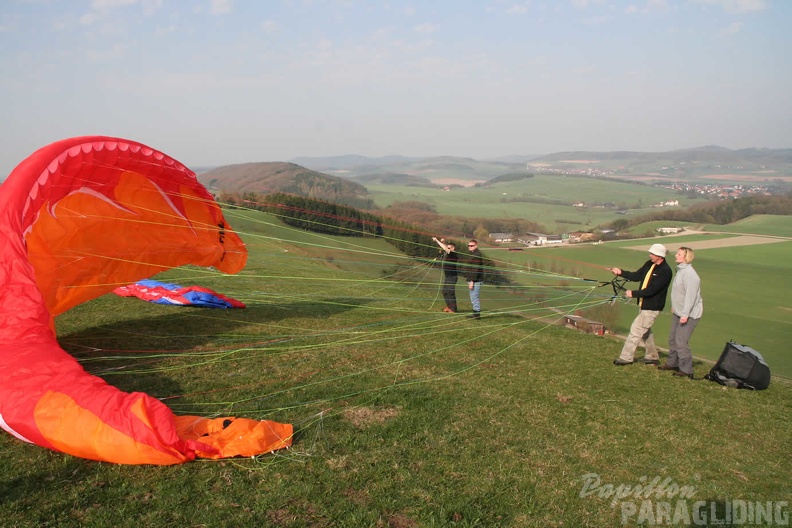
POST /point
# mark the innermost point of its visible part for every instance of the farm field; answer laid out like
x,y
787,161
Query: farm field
x,y
772,225
535,199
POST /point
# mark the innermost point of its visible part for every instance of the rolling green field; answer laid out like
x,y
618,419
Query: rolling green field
x,y
746,296
535,199
404,416
650,228
773,225
741,312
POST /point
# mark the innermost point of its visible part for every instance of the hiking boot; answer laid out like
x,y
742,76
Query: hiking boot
x,y
666,366
682,374
646,361
620,362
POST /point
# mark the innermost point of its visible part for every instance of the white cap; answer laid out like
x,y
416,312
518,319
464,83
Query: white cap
x,y
658,249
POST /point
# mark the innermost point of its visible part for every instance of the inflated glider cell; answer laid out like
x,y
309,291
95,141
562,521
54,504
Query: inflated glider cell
x,y
78,218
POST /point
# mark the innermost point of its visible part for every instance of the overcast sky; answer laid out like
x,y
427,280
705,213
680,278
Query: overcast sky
x,y
214,82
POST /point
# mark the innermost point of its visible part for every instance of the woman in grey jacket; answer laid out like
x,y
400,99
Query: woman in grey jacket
x,y
687,307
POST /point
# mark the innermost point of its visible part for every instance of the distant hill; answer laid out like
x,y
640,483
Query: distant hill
x,y
708,153
708,163
714,155
348,161
428,169
514,159
391,178
341,179
703,165
269,177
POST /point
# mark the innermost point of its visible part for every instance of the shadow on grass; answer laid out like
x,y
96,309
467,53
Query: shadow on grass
x,y
29,488
190,327
147,336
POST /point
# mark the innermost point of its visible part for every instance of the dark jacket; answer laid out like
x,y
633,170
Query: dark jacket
x,y
474,267
654,295
450,264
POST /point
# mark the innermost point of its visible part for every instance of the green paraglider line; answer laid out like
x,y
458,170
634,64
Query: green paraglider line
x,y
411,324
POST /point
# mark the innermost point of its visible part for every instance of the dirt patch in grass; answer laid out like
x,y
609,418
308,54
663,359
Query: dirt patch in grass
x,y
363,417
746,240
401,521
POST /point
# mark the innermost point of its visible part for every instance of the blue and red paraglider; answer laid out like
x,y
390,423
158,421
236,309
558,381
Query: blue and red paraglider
x,y
173,294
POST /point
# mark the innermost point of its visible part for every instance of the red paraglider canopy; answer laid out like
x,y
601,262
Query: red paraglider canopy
x,y
79,218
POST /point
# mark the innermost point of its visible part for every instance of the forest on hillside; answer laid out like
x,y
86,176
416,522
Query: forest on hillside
x,y
340,220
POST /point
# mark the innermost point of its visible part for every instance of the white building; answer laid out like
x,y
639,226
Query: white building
x,y
501,237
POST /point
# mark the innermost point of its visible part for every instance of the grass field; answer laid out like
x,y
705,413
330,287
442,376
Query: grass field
x,y
745,294
773,225
651,227
498,201
405,416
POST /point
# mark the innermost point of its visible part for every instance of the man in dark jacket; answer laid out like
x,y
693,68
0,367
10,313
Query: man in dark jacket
x,y
655,277
474,274
449,274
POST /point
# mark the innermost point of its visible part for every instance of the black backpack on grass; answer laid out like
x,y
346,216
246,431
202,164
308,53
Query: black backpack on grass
x,y
740,366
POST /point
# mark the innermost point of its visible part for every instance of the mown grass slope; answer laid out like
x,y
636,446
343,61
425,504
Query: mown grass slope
x,y
746,296
405,416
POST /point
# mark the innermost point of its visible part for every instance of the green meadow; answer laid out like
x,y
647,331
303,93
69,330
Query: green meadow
x,y
772,225
409,417
737,294
650,228
744,290
545,199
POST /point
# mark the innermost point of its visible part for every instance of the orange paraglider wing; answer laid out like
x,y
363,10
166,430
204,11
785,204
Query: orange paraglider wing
x,y
79,218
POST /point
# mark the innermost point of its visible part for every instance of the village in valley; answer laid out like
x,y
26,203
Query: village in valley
x,y
725,186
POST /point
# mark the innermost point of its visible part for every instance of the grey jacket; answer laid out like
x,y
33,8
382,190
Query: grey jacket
x,y
686,298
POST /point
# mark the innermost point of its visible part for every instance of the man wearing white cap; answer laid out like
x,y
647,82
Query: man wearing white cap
x,y
655,277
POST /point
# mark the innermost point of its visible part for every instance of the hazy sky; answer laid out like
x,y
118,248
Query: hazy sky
x,y
213,82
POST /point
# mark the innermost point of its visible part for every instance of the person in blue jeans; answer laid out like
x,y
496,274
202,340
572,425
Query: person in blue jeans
x,y
474,273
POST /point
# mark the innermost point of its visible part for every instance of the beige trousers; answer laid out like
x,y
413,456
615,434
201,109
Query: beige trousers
x,y
641,330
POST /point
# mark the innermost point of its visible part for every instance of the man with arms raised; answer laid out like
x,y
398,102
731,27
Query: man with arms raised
x,y
449,274
655,277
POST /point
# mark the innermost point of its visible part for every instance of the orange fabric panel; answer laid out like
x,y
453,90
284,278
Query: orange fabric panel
x,y
79,432
234,436
88,243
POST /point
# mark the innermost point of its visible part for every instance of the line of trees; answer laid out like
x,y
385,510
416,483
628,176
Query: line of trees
x,y
717,212
327,218
509,177
322,217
